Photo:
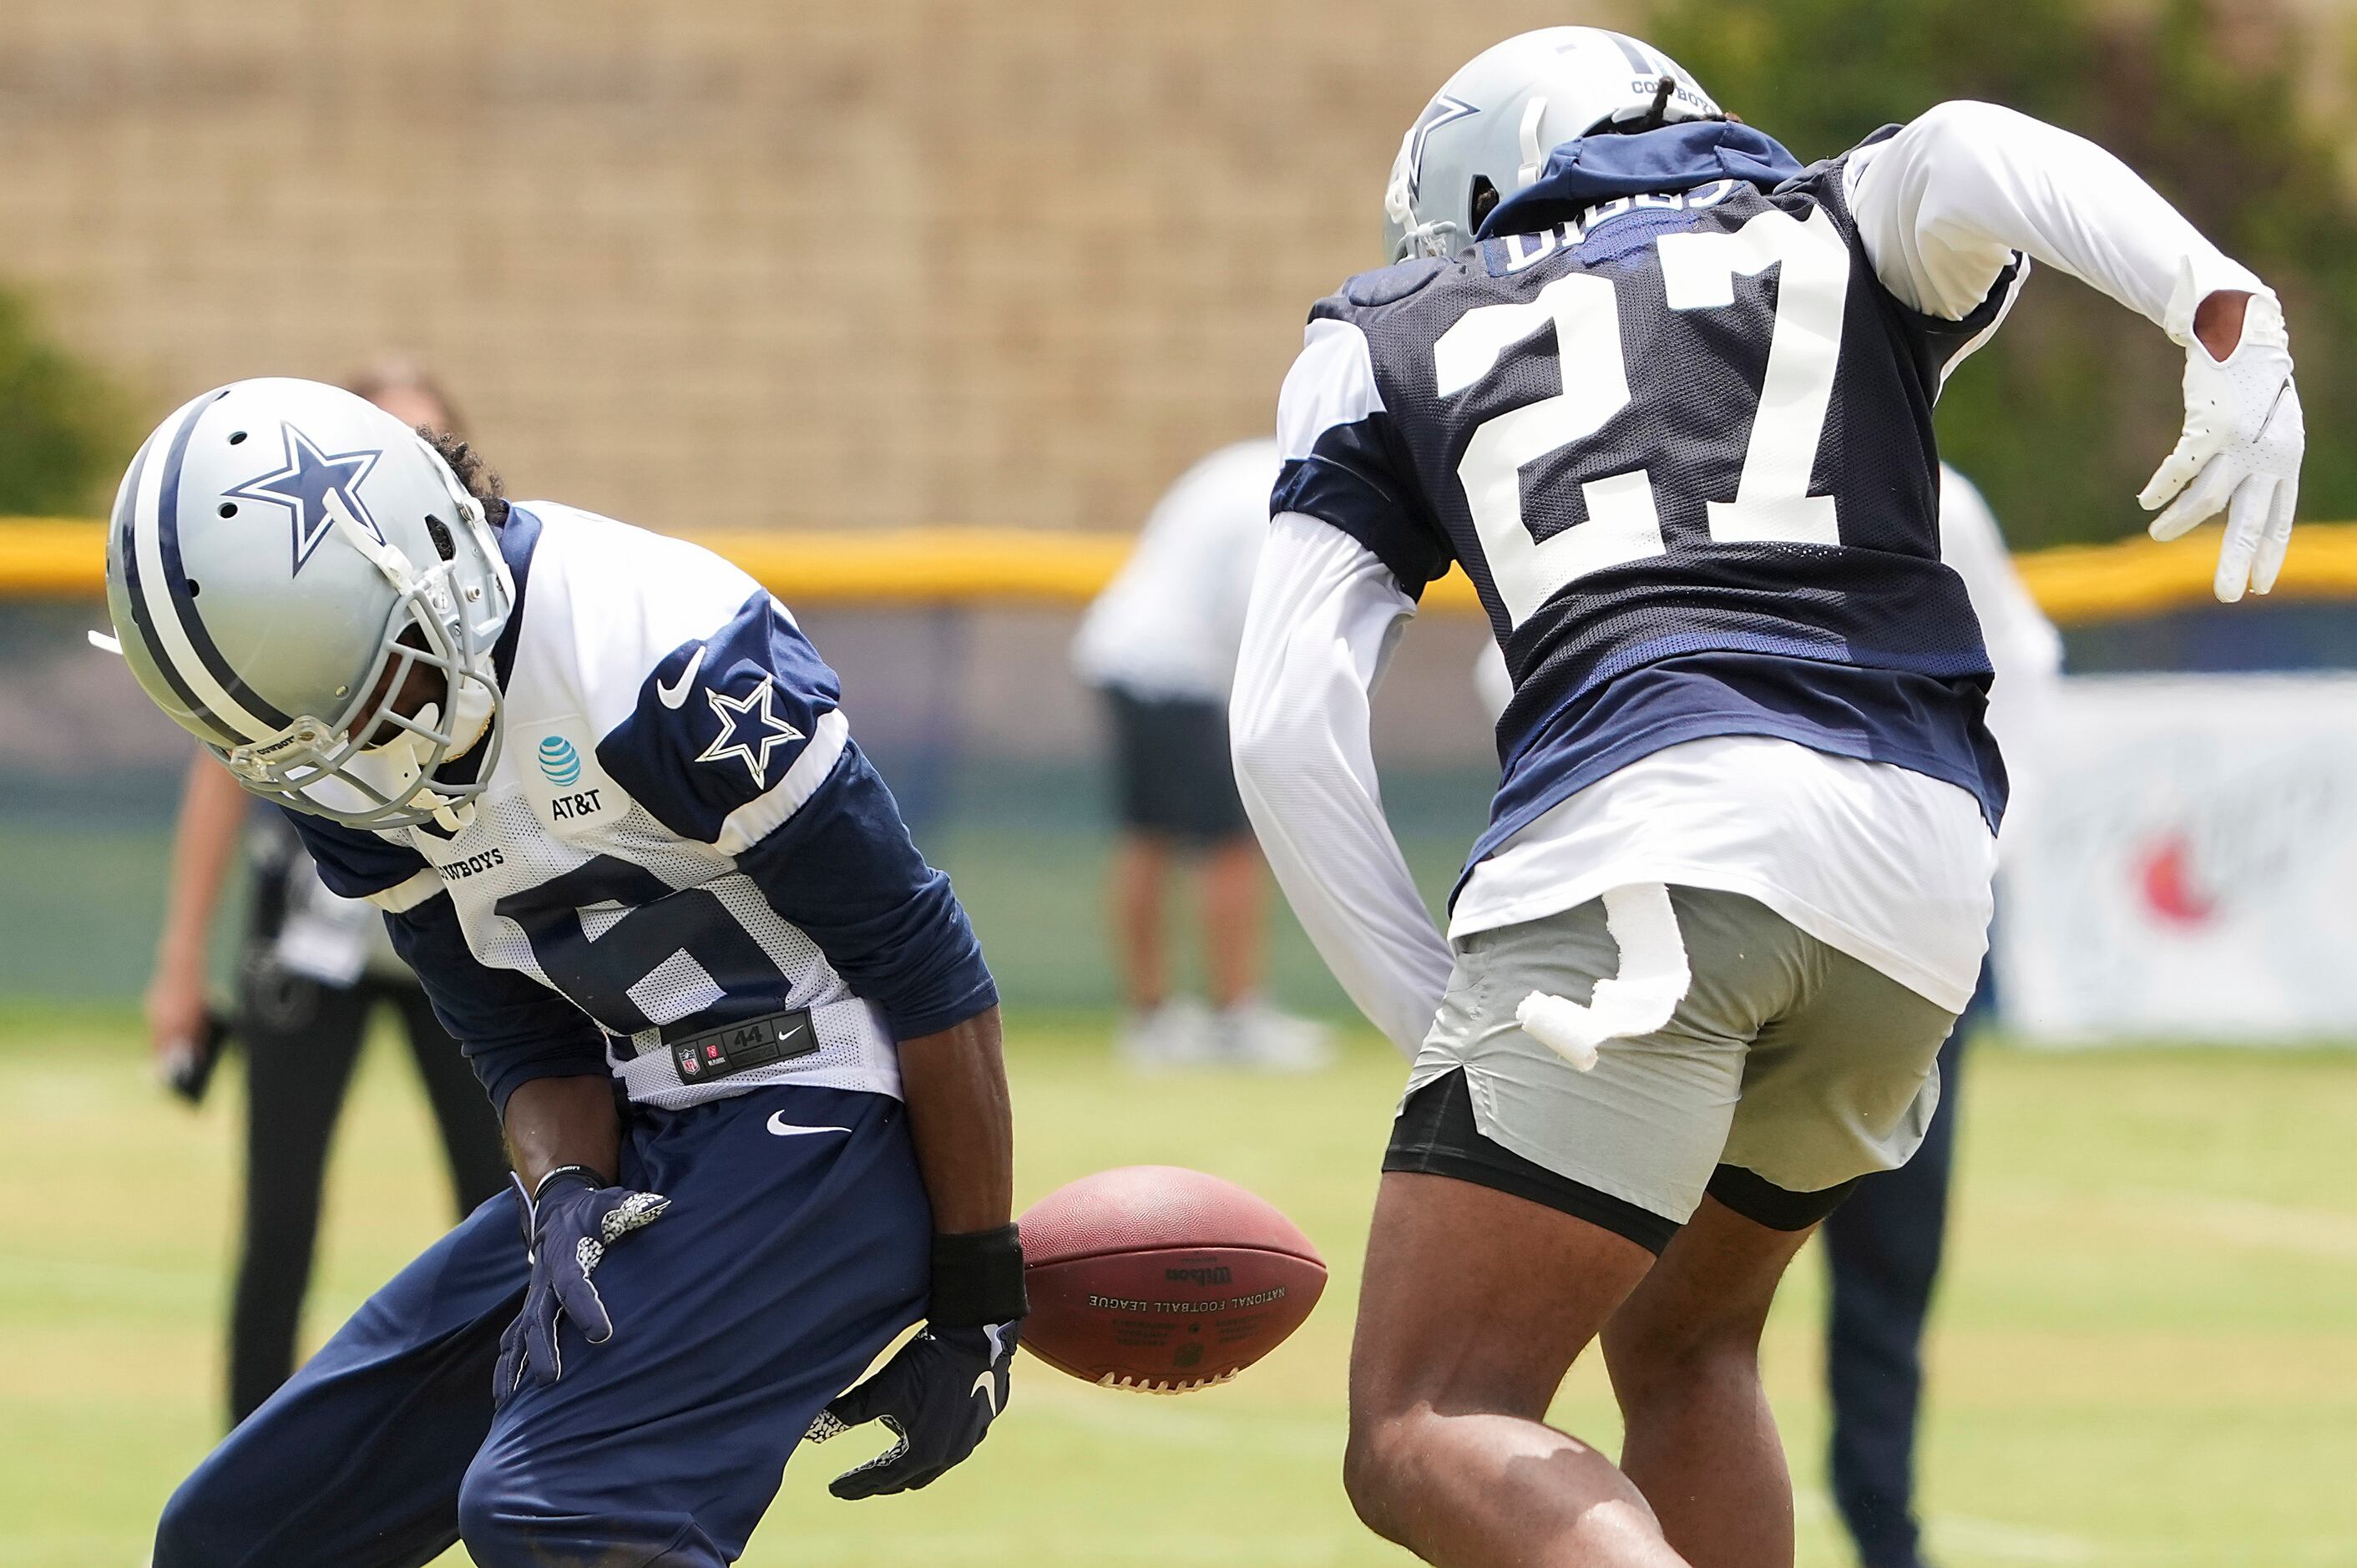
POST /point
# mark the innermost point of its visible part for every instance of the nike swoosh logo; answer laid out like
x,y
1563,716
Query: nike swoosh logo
x,y
673,696
781,1127
987,1389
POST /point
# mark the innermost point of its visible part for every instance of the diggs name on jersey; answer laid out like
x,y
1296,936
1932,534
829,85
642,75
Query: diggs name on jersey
x,y
1678,436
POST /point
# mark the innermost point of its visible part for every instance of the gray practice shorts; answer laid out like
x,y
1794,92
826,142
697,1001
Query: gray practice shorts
x,y
1790,1069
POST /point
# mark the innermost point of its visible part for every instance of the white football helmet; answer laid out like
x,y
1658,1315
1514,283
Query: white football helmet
x,y
283,556
1486,133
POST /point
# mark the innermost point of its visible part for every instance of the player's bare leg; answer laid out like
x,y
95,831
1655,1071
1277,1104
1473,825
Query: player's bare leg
x,y
1684,1352
1141,869
1475,1305
1234,900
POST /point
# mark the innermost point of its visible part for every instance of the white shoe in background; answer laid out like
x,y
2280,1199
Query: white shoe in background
x,y
1252,1033
1177,1034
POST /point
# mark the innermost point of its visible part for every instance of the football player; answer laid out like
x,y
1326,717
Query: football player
x,y
740,1035
1666,397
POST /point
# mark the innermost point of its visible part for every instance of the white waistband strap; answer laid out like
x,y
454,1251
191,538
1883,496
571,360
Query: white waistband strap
x,y
855,1051
1652,981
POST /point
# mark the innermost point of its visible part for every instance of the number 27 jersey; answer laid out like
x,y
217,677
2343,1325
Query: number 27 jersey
x,y
1682,445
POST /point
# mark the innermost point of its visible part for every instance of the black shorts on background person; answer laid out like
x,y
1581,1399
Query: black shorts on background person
x,y
1171,772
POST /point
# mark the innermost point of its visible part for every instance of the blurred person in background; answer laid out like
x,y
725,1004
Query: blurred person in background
x,y
314,971
1160,643
1883,1245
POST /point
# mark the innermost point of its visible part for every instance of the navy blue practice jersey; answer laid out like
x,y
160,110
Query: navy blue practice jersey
x,y
678,839
1682,445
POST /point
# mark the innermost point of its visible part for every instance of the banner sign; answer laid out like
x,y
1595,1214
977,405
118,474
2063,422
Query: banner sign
x,y
2182,862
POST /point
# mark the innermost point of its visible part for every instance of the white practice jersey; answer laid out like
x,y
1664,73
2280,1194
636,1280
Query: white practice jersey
x,y
1169,624
679,843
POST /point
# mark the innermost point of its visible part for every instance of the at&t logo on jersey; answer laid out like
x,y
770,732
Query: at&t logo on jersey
x,y
567,789
559,764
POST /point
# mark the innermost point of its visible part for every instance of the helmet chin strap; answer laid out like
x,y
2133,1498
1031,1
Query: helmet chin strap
x,y
470,714
395,769
1534,156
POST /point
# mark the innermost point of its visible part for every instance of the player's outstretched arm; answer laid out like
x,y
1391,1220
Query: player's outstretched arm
x,y
940,1393
1944,207
844,869
1324,611
963,1124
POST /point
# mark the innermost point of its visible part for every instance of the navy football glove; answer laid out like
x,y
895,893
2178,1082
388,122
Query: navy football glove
x,y
568,1225
937,1397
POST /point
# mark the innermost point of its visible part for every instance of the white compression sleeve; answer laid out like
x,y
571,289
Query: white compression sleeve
x,y
1324,614
1943,206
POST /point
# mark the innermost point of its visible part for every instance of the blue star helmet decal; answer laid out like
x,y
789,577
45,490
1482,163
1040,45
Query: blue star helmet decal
x,y
309,484
1440,112
749,731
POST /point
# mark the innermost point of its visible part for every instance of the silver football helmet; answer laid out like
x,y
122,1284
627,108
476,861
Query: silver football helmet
x,y
283,556
1493,125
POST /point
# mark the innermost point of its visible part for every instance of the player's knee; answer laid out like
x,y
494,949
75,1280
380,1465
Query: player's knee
x,y
1364,1481
198,1530
508,1520
1654,1365
502,1520
1376,1461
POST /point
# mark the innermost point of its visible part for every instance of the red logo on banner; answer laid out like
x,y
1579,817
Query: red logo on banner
x,y
2171,891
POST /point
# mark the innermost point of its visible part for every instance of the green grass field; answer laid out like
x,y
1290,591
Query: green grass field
x,y
2147,1351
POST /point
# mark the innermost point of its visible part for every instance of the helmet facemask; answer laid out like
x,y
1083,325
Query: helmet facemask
x,y
371,765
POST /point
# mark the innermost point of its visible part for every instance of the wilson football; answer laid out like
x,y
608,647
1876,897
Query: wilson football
x,y
1162,1280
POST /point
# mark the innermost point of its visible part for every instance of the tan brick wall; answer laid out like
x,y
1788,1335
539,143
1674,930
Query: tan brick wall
x,y
731,262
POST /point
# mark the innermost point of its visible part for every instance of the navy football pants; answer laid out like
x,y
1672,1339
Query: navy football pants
x,y
787,1260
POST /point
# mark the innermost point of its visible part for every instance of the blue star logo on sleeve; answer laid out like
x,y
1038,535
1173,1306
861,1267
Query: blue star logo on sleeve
x,y
749,730
311,486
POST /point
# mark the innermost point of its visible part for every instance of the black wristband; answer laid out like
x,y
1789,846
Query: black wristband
x,y
582,1172
977,1279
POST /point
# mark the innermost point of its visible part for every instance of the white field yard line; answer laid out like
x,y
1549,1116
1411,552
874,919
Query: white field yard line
x,y
2312,1232
2239,1221
64,1551
1964,1539
151,1283
1168,1420
1961,1536
1112,1544
1958,1536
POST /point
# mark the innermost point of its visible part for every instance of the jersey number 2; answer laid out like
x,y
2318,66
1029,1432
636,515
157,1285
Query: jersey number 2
x,y
1771,500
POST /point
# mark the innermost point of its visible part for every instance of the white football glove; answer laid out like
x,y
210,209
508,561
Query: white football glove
x,y
2240,453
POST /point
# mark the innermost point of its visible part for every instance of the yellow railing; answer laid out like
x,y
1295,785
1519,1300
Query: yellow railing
x,y
60,558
